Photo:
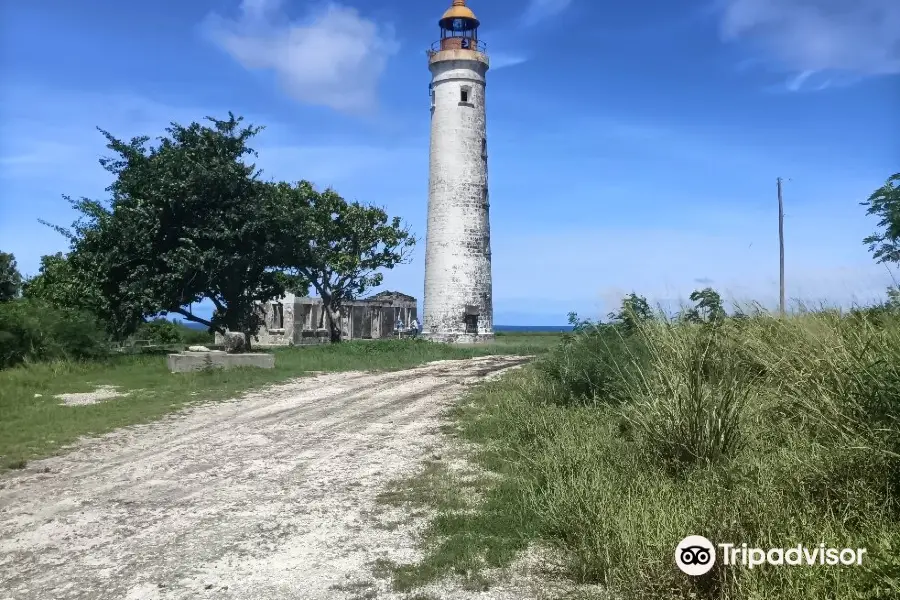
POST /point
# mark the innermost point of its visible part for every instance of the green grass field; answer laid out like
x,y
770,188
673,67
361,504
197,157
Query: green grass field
x,y
611,448
34,424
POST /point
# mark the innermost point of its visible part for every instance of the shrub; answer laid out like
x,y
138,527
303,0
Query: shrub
x,y
163,332
591,366
160,331
191,336
32,330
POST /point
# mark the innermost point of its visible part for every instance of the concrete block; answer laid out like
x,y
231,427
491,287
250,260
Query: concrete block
x,y
185,362
235,341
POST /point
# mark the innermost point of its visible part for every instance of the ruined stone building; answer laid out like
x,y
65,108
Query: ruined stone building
x,y
299,320
458,304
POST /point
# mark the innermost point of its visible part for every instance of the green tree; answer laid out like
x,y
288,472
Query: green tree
x,y
335,246
10,278
884,203
634,311
58,283
893,298
188,220
707,307
580,325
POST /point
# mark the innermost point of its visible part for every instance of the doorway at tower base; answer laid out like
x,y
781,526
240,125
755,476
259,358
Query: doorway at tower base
x,y
459,338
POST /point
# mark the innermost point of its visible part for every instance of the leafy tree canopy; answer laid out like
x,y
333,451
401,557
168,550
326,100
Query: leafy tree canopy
x,y
59,284
707,307
187,221
634,310
884,203
10,278
335,246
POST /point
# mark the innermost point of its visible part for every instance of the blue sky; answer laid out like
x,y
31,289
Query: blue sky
x,y
634,146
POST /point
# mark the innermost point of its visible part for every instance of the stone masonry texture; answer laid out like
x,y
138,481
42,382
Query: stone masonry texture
x,y
458,241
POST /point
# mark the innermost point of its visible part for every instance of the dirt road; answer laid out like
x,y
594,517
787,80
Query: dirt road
x,y
266,497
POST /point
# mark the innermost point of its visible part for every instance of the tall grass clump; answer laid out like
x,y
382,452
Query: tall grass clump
x,y
587,368
689,401
761,430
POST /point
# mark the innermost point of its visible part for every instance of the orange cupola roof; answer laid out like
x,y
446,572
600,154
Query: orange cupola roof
x,y
459,10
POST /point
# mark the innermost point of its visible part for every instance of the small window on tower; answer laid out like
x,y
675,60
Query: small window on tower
x,y
464,95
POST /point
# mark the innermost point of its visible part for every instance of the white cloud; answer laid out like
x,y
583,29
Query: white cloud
x,y
540,9
500,60
334,57
847,38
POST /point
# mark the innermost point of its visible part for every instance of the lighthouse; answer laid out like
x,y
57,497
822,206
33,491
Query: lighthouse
x,y
458,305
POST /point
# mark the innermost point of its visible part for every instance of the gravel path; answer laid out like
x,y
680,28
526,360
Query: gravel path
x,y
267,497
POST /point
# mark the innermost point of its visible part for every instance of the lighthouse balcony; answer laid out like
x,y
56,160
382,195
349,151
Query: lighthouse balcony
x,y
457,43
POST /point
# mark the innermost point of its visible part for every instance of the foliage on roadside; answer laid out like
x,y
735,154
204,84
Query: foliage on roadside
x,y
745,428
10,278
884,203
33,330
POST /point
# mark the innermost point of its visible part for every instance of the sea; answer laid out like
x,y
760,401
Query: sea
x,y
535,328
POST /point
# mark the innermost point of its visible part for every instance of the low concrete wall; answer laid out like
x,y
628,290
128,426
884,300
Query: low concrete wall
x,y
309,337
185,362
460,338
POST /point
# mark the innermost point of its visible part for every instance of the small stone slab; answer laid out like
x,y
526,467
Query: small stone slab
x,y
184,362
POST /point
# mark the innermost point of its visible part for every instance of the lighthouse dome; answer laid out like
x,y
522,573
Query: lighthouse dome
x,y
459,17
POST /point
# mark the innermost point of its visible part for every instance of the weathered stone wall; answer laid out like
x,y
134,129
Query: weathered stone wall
x,y
458,246
272,335
304,323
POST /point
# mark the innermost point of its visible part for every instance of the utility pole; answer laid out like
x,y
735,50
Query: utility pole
x,y
780,251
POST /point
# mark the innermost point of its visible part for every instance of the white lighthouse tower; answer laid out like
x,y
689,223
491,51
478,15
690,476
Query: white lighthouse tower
x,y
458,306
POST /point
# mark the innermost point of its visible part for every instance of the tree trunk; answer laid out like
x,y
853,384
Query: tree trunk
x,y
247,336
334,325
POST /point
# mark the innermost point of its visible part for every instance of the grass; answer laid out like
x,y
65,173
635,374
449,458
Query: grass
x,y
463,541
34,424
610,449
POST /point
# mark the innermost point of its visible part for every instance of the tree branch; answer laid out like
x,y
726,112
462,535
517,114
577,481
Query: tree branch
x,y
196,319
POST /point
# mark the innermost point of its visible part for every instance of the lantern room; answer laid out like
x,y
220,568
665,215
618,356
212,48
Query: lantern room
x,y
459,29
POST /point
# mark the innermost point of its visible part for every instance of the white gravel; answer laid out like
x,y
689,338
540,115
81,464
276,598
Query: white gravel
x,y
103,392
271,496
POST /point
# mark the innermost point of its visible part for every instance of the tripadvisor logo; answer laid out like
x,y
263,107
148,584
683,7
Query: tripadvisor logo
x,y
696,555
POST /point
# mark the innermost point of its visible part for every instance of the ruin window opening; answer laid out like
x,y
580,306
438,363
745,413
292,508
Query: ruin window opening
x,y
471,322
277,315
